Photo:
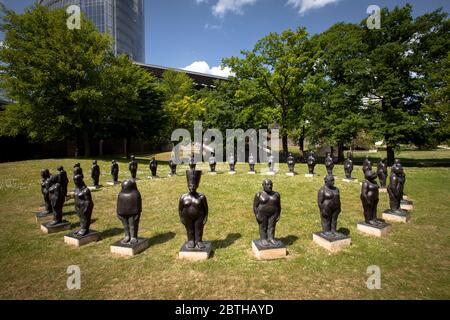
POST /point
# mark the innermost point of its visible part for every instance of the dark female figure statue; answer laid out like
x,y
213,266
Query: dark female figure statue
x,y
329,202
367,165
57,200
395,188
63,180
129,208
370,197
153,167
291,163
311,162
193,211
45,185
95,173
83,206
212,162
192,163
329,164
348,166
115,171
133,166
267,210
77,170
382,172
173,167
251,162
232,162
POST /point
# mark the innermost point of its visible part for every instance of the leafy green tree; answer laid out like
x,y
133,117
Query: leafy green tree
x,y
52,73
274,74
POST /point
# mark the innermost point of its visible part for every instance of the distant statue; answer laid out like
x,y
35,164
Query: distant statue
x,y
57,200
193,210
395,188
212,162
63,180
251,162
291,163
267,210
232,162
173,167
133,166
271,163
311,162
77,171
367,165
83,205
329,202
45,185
153,167
115,171
348,166
329,164
370,197
95,174
129,208
192,163
382,172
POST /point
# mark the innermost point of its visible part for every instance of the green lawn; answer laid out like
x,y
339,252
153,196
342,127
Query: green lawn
x,y
414,259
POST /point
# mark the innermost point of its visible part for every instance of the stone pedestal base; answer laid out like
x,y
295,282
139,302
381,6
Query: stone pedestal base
x,y
332,244
42,218
128,250
350,180
78,241
382,190
290,174
268,173
212,173
380,230
406,205
195,254
172,175
231,172
268,253
311,175
395,216
63,226
251,172
113,183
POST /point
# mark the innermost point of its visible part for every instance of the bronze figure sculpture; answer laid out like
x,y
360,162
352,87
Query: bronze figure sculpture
x,y
329,202
311,162
367,165
348,166
95,174
329,164
382,172
193,211
153,167
232,162
291,163
115,171
251,162
83,206
212,162
395,188
370,197
57,198
45,185
129,208
192,163
133,166
63,180
173,167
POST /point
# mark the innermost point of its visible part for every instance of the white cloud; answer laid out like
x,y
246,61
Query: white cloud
x,y
201,1
306,5
235,6
203,67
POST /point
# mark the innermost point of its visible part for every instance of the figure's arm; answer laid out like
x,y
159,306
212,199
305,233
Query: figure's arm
x,y
320,198
256,204
339,201
205,208
278,206
180,208
364,190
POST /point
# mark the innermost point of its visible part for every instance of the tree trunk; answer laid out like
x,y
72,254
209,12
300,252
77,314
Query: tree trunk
x,y
341,156
301,144
87,144
390,155
285,146
127,147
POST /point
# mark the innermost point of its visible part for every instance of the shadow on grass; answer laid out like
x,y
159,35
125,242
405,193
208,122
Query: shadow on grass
x,y
161,238
344,231
111,233
289,240
69,214
228,241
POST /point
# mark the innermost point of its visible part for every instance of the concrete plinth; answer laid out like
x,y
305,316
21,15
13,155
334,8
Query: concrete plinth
x,y
128,250
407,207
251,172
352,180
290,174
231,172
212,173
195,254
309,175
332,244
268,253
47,229
42,217
78,241
395,216
380,230
113,183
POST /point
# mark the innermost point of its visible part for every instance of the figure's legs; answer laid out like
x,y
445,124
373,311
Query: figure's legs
x,y
199,226
133,222
190,230
367,212
126,229
272,221
326,222
263,226
334,218
85,222
374,210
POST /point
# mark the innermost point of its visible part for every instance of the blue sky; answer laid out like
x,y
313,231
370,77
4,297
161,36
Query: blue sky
x,y
199,33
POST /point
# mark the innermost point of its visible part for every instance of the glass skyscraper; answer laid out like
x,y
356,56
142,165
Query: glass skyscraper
x,y
122,19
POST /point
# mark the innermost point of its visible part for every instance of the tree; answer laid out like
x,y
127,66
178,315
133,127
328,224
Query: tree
x,y
52,73
275,72
398,54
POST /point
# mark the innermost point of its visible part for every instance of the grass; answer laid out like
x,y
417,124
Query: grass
x,y
414,259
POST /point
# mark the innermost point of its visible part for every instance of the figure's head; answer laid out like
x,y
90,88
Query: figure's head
x,y
267,185
45,174
60,168
329,181
77,165
78,180
128,186
153,159
193,179
113,162
94,162
369,175
133,157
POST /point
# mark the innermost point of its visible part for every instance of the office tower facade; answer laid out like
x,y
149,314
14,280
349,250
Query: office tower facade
x,y
122,19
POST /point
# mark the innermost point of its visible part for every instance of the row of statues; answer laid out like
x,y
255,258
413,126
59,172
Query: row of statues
x,y
193,206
